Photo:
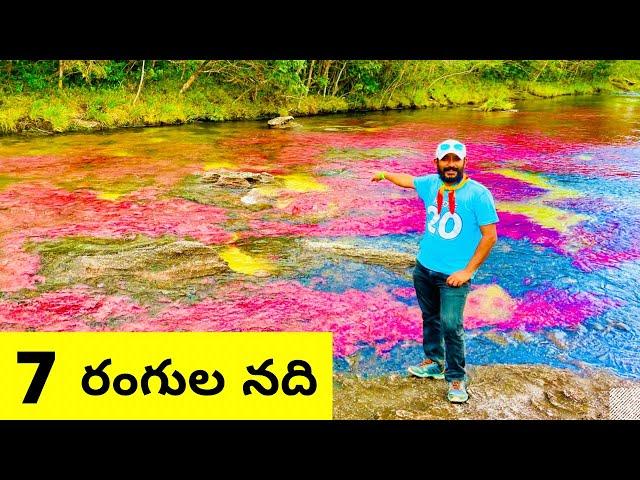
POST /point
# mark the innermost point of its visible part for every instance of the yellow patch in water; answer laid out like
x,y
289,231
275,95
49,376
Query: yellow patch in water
x,y
234,237
109,195
219,164
549,217
299,182
269,191
536,180
284,203
120,153
38,151
490,302
240,262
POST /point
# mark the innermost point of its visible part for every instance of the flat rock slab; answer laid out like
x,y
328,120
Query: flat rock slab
x,y
495,392
221,178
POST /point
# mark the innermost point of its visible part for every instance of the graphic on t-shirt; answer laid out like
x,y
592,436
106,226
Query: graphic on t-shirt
x,y
446,230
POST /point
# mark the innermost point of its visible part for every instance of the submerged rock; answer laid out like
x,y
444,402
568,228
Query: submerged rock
x,y
224,188
389,258
280,122
142,267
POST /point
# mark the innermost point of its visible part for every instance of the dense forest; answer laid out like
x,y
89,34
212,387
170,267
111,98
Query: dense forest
x,y
47,96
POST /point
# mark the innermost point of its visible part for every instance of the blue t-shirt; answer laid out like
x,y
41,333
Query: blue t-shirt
x,y
449,241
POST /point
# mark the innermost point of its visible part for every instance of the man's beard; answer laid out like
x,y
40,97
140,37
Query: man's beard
x,y
451,180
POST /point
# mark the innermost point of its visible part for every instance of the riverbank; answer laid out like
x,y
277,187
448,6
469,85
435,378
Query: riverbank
x,y
87,109
522,392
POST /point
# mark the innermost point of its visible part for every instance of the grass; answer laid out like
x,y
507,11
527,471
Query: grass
x,y
84,108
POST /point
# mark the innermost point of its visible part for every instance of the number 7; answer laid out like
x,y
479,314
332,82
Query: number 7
x,y
45,362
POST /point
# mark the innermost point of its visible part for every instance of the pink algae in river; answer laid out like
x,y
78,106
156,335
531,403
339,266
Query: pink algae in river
x,y
37,212
18,269
48,212
404,292
99,171
391,216
352,205
344,210
355,317
535,311
517,227
69,310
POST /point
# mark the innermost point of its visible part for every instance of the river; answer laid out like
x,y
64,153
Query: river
x,y
144,229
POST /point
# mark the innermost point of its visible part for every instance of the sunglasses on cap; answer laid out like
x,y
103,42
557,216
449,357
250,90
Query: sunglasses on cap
x,y
451,146
456,146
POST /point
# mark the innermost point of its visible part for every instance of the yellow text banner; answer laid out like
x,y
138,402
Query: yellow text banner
x,y
166,376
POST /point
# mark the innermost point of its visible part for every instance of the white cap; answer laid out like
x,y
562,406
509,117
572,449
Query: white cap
x,y
451,146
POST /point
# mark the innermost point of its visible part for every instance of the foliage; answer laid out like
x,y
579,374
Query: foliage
x,y
51,95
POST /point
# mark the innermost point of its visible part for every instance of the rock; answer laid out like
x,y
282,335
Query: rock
x,y
279,122
387,258
85,123
497,338
404,414
521,336
145,267
497,392
223,178
621,326
558,339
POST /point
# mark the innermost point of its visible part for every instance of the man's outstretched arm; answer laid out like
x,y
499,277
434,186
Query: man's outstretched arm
x,y
400,179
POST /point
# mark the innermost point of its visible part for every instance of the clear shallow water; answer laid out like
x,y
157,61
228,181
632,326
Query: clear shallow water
x,y
121,230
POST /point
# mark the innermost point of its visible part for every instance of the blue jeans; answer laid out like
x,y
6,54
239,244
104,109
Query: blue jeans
x,y
442,308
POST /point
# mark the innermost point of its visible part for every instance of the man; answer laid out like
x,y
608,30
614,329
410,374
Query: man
x,y
459,233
